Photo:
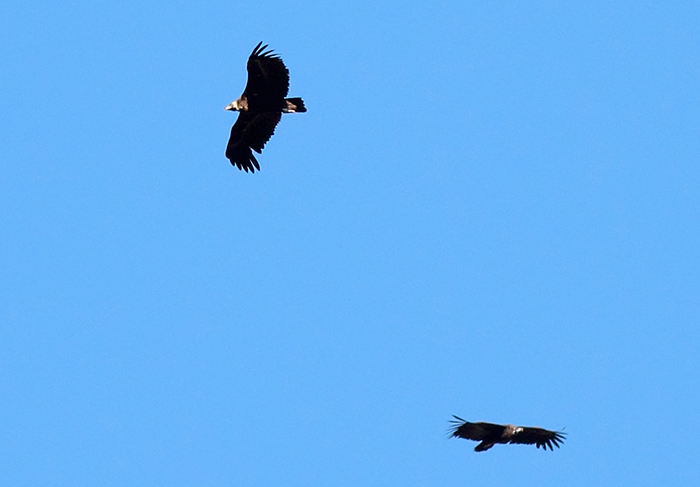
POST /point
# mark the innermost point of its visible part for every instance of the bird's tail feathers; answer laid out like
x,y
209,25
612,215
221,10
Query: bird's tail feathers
x,y
483,446
294,105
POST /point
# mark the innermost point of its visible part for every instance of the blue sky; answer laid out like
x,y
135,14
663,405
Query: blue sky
x,y
491,209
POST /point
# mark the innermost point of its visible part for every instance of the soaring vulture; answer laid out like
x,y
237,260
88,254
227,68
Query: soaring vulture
x,y
261,106
489,434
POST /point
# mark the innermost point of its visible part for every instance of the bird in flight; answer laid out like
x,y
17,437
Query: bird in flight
x,y
260,107
489,434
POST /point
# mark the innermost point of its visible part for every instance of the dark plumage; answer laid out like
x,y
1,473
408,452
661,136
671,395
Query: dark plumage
x,y
489,434
261,106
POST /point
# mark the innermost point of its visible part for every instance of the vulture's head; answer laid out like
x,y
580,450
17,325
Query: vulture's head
x,y
239,105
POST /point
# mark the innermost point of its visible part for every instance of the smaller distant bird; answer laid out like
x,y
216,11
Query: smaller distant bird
x,y
260,107
489,434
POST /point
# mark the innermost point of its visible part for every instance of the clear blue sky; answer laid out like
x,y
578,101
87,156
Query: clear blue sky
x,y
491,209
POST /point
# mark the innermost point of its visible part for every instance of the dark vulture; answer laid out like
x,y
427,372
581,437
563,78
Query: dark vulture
x,y
489,434
261,106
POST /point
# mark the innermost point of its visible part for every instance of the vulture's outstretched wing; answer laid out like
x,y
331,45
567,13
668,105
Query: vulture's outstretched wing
x,y
473,431
539,437
268,77
251,131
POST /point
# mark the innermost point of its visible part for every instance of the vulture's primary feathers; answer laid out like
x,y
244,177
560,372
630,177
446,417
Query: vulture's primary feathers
x,y
261,106
489,434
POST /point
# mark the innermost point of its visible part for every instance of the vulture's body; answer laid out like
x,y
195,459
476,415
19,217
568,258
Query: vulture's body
x,y
489,434
261,106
